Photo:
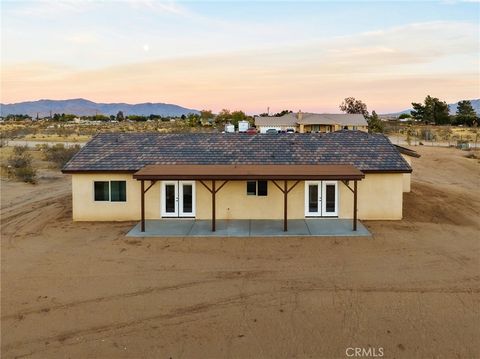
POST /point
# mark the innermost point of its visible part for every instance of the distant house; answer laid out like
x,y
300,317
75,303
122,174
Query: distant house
x,y
304,122
138,176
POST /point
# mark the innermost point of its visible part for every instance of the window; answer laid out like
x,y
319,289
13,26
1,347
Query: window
x,y
259,188
262,188
118,191
101,191
114,191
251,188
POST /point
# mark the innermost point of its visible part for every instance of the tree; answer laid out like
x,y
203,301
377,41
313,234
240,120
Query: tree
x,y
465,115
281,113
237,116
223,116
431,111
404,115
206,116
351,105
375,125
120,116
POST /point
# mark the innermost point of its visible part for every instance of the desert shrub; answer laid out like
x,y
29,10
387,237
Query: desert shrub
x,y
59,154
19,165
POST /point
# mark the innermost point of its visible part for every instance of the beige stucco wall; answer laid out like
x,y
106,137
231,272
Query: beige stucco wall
x,y
407,177
232,202
86,209
379,197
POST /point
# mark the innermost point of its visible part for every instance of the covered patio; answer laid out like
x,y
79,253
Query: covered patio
x,y
284,177
309,227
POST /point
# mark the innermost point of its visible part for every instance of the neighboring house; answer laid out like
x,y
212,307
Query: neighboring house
x,y
132,176
311,122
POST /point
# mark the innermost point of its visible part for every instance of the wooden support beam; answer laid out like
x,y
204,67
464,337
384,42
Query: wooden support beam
x,y
142,204
278,186
204,185
285,195
293,186
213,205
223,184
346,185
355,205
151,185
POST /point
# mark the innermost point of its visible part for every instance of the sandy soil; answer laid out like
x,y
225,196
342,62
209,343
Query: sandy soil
x,y
78,290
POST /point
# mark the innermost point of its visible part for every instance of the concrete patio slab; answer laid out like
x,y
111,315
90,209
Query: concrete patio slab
x,y
274,228
310,227
335,227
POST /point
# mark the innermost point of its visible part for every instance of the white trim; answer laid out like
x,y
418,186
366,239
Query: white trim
x,y
324,200
180,197
307,197
322,203
163,202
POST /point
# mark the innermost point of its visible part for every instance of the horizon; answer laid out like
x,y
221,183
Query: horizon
x,y
204,55
271,113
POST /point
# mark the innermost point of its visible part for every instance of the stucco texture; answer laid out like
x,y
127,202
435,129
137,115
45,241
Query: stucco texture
x,y
379,197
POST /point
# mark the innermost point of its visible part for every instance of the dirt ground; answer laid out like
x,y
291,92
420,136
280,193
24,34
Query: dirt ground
x,y
83,290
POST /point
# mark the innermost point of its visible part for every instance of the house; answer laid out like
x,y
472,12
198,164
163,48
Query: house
x,y
311,122
137,176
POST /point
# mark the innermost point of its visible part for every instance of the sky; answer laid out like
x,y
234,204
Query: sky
x,y
241,55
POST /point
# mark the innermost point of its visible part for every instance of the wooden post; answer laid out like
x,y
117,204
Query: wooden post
x,y
355,205
213,205
285,194
142,203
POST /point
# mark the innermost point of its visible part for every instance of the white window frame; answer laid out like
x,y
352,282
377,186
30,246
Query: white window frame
x,y
109,191
163,202
307,196
322,204
324,201
181,212
178,213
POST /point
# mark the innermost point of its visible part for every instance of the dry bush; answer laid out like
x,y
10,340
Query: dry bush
x,y
19,165
59,154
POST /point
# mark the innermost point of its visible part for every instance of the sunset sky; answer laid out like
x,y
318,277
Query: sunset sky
x,y
241,55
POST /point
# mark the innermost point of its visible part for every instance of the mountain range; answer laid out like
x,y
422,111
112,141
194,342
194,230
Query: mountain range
x,y
452,107
82,107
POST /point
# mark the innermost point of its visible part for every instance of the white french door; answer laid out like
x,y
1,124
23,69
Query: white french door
x,y
178,199
321,198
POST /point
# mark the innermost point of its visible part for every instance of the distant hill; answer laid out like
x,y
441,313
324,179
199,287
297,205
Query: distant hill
x,y
84,107
452,107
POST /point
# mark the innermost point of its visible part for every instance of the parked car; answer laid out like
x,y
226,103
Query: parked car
x,y
251,131
290,130
271,130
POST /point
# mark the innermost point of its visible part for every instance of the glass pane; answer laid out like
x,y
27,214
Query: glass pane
x,y
251,188
313,198
118,191
262,188
170,198
330,198
101,191
187,198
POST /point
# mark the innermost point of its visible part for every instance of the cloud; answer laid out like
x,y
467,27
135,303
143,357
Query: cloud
x,y
388,69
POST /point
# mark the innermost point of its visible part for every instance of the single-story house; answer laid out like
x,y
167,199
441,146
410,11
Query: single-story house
x,y
138,176
304,122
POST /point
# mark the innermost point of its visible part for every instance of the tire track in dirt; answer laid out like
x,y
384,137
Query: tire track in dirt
x,y
95,330
146,291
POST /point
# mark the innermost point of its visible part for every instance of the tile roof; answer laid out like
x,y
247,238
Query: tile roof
x,y
132,151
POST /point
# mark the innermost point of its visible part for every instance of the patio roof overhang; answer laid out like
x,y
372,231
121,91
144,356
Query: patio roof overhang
x,y
226,173
249,172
